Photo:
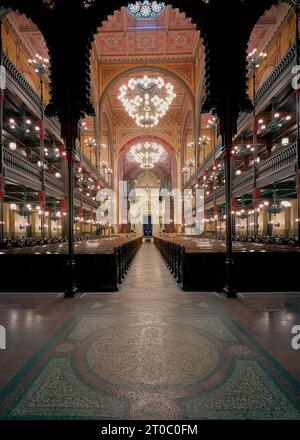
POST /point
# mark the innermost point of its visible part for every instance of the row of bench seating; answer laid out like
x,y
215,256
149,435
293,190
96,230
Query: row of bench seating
x,y
101,265
125,254
274,239
199,265
172,254
38,241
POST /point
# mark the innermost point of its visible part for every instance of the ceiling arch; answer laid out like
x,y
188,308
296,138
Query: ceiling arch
x,y
147,68
149,137
168,167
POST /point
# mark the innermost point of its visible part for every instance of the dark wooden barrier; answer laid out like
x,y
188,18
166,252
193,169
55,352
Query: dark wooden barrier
x,y
257,269
98,269
172,254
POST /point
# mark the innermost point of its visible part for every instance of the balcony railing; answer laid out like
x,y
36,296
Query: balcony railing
x,y
85,199
17,78
285,65
18,164
243,182
54,182
280,161
15,162
87,164
283,158
97,175
283,69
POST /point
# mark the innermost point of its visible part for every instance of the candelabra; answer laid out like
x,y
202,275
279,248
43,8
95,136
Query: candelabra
x,y
107,171
187,170
90,143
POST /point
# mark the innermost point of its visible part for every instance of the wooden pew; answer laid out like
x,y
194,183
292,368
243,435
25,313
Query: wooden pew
x,y
100,266
199,264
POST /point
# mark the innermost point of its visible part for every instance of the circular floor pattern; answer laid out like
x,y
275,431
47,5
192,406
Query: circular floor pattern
x,y
149,355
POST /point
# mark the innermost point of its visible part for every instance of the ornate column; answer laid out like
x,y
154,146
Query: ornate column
x,y
298,117
228,128
69,134
2,85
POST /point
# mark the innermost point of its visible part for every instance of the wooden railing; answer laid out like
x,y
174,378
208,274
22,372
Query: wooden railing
x,y
285,157
283,68
17,163
277,162
18,79
53,181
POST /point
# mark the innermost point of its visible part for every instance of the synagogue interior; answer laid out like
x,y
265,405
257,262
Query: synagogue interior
x,y
149,211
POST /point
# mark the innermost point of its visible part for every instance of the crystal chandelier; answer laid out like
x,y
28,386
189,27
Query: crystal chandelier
x,y
147,154
147,99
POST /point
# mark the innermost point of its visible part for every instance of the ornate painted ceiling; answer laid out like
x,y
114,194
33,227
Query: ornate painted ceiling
x,y
171,34
29,33
267,26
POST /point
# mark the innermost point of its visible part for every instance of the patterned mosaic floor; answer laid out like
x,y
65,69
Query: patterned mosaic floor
x,y
137,355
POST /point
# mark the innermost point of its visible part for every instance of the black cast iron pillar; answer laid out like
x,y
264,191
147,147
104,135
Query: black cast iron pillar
x,y
255,154
1,144
69,131
295,5
228,122
42,156
298,118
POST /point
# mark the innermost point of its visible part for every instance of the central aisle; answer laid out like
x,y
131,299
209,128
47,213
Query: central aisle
x,y
148,275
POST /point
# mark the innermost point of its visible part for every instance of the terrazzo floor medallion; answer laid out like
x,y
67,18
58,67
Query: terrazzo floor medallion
x,y
144,359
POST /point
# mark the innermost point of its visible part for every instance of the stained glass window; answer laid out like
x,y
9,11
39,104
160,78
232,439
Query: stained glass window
x,y
146,9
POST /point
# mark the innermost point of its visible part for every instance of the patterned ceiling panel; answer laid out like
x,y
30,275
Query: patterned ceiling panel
x,y
146,42
267,26
181,41
29,33
114,44
169,34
